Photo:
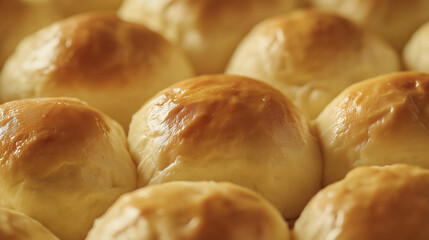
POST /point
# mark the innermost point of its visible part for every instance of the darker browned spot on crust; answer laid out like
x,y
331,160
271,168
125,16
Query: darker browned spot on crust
x,y
310,33
37,127
222,107
99,50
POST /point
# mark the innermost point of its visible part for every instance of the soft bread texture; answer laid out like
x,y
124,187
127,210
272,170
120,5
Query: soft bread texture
x,y
371,203
72,7
379,121
17,226
62,163
394,20
207,30
228,128
191,211
311,56
19,18
113,65
416,52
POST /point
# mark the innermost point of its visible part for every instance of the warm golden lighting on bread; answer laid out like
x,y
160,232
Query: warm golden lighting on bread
x,y
228,128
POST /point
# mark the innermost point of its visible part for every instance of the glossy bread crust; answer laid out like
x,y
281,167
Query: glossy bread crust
x,y
371,203
62,163
228,128
379,121
200,210
311,56
113,65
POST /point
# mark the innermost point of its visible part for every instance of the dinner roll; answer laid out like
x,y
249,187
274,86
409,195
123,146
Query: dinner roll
x,y
17,226
19,18
379,121
394,20
416,52
113,65
62,163
207,30
371,203
228,128
311,56
191,211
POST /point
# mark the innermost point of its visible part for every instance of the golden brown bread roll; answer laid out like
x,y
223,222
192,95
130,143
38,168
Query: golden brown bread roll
x,y
228,128
416,51
393,20
17,226
207,30
371,203
311,56
379,121
113,65
191,211
62,163
19,18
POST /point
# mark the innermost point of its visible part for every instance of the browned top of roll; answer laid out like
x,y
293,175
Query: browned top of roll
x,y
34,126
95,50
222,106
392,102
199,210
371,203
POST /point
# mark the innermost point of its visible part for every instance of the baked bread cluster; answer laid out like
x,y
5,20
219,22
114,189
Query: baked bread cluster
x,y
111,64
214,119
228,128
311,56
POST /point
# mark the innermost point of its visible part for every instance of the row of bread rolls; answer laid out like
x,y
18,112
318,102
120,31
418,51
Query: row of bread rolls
x,y
309,55
64,163
172,126
116,66
208,31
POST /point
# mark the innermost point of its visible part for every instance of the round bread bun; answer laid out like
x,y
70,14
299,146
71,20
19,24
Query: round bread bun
x,y
191,211
17,226
380,121
228,128
207,30
395,20
311,56
62,163
113,65
19,18
371,203
416,52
